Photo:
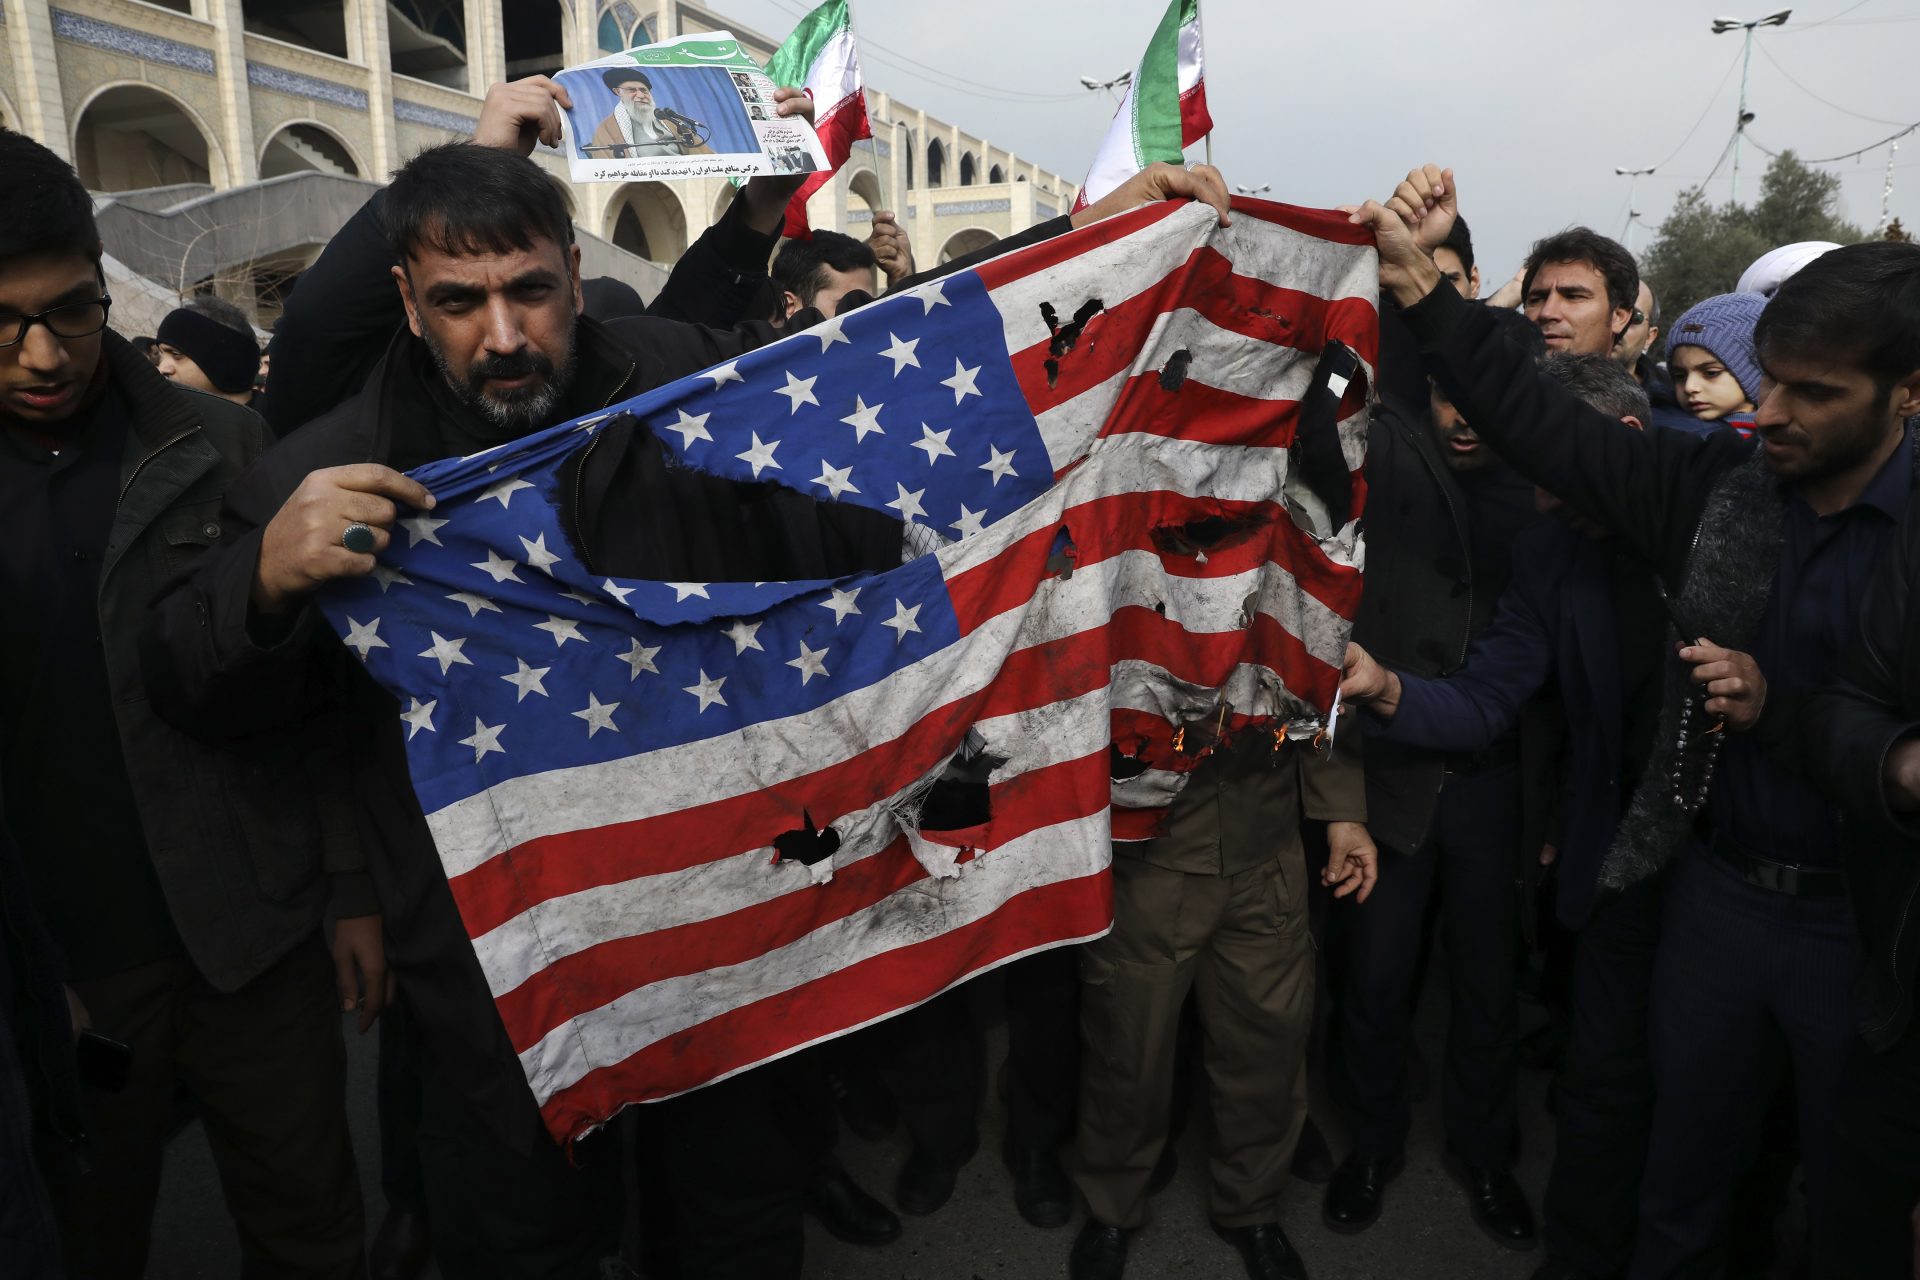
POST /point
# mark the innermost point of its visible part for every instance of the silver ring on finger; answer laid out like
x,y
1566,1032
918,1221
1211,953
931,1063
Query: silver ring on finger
x,y
358,538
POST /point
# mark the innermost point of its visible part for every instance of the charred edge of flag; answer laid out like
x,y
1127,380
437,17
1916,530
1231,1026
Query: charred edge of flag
x,y
1174,376
1124,767
1210,533
1065,336
808,844
1064,555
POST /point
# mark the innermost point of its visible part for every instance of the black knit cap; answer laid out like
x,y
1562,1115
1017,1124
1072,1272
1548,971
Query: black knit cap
x,y
617,76
229,358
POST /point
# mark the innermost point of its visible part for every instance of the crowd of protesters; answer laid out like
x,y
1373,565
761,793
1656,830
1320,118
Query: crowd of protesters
x,y
1630,725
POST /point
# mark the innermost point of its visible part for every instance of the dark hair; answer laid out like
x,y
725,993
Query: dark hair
x,y
1860,303
1653,296
1601,382
1582,244
1520,331
801,265
221,312
44,208
617,76
1460,240
460,198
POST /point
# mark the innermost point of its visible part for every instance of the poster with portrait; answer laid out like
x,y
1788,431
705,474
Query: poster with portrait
x,y
695,107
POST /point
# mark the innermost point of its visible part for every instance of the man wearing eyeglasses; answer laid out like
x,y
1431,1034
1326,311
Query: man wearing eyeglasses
x,y
184,885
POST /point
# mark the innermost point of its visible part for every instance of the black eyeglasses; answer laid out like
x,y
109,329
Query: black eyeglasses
x,y
74,320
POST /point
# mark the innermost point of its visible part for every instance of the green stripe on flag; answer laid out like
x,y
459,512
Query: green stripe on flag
x,y
1156,90
794,59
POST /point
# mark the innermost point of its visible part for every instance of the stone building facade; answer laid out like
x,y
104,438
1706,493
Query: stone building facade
x,y
199,98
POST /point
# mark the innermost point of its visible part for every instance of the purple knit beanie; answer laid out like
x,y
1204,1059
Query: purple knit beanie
x,y
1724,326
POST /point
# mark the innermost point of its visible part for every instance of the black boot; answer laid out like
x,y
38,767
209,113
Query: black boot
x,y
1041,1191
1265,1249
1499,1205
865,1104
1352,1202
1099,1252
848,1213
926,1183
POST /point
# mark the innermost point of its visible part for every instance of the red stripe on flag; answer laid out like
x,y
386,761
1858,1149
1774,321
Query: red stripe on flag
x,y
844,123
1322,224
1206,284
851,997
1132,825
1196,122
600,974
1034,259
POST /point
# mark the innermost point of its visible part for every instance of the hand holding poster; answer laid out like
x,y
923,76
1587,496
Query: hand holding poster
x,y
695,107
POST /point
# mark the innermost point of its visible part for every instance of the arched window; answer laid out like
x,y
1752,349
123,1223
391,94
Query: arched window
x,y
996,175
967,168
936,164
132,137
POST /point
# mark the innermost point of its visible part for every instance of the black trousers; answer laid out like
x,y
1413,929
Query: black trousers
x,y
397,1103
1868,1227
1737,964
1470,860
1606,1091
266,1068
936,1060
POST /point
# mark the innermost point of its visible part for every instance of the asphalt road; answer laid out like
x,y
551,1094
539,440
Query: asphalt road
x,y
1424,1233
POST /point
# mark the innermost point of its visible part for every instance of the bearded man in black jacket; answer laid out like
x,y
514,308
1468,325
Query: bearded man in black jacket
x,y
1764,554
496,348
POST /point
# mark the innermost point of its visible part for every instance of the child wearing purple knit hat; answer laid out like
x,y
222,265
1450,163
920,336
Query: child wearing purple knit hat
x,y
1716,374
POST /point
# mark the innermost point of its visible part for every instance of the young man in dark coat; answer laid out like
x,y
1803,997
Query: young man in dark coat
x,y
1764,549
495,349
183,884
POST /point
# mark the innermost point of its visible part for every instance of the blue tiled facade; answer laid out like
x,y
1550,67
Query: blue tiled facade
x,y
138,44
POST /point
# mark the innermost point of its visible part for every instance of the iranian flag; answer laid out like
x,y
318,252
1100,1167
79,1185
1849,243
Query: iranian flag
x,y
821,58
1165,110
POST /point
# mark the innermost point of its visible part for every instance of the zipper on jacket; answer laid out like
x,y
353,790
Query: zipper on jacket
x,y
580,473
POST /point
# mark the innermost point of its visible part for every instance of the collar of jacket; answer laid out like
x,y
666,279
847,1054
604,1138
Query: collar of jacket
x,y
1729,578
606,368
166,449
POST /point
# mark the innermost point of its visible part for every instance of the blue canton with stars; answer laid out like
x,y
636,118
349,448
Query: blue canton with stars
x,y
509,659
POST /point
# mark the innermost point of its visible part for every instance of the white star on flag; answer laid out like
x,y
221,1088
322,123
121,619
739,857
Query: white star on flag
x,y
692,428
865,419
421,529
903,620
722,374
446,652
842,604
908,504
681,590
934,443
933,295
498,567
798,390
484,739
1001,464
901,353
581,596
419,716
760,457
708,691
838,480
640,658
598,715
388,576
364,639
742,634
970,522
810,663
829,333
475,603
962,381
504,491
527,680
561,629
618,593
538,557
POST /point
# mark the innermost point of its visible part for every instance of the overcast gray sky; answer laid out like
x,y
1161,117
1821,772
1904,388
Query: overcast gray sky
x,y
1533,101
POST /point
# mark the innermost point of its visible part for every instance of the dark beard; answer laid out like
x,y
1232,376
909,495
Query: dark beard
x,y
517,412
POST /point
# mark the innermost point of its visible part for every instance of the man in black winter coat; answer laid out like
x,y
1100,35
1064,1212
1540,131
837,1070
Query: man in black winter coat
x,y
1764,552
495,349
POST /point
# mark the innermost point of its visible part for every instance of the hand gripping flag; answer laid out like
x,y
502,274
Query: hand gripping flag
x,y
821,57
691,827
1165,110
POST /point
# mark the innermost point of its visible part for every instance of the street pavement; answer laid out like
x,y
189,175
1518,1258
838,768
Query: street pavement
x,y
1424,1233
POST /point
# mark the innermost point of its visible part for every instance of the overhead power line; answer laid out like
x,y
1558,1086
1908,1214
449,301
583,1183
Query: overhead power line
x,y
1816,97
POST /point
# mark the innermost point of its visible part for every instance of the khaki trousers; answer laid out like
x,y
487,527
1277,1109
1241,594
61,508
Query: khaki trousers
x,y
1240,944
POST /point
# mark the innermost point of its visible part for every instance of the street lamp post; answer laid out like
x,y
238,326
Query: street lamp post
x,y
1633,191
1095,85
1720,27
